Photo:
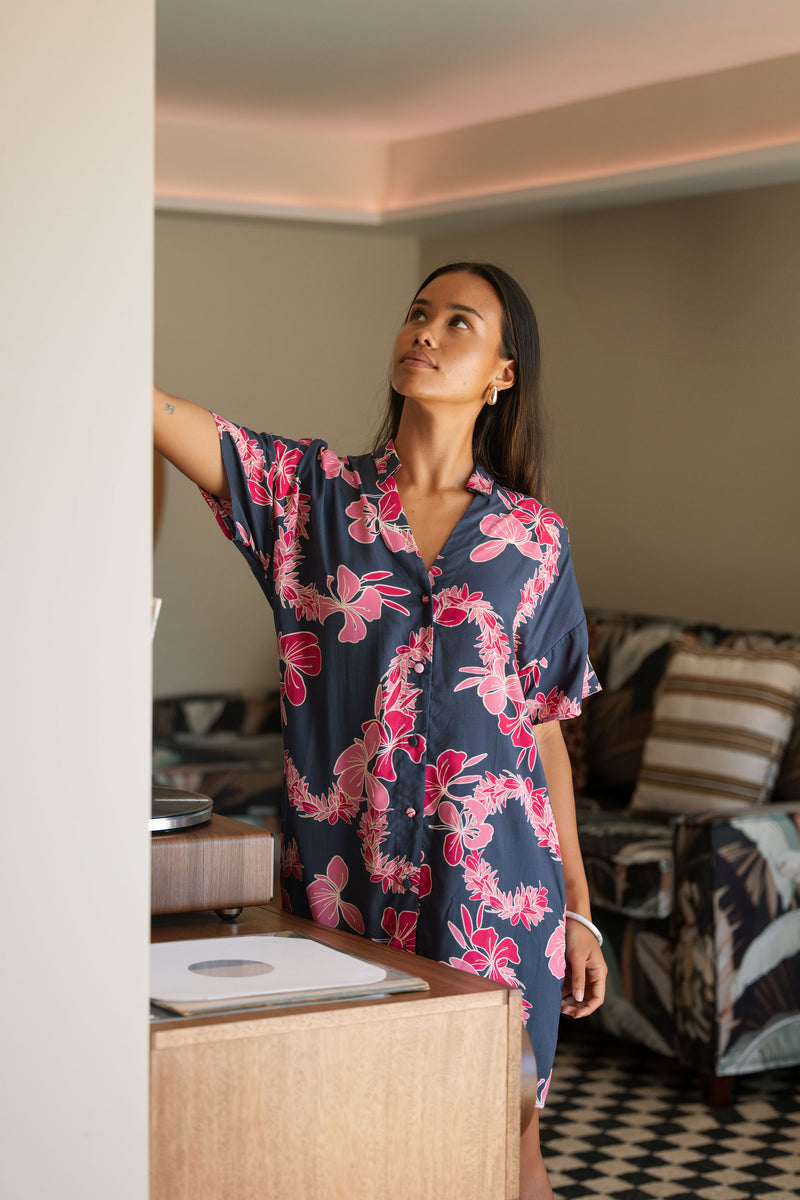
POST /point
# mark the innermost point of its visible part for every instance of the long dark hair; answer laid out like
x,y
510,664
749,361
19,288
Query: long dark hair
x,y
508,438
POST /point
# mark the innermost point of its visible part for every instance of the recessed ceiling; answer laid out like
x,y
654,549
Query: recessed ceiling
x,y
375,73
369,68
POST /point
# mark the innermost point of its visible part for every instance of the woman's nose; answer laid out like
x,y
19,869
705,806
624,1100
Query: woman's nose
x,y
425,335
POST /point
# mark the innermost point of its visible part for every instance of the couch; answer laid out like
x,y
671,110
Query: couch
x,y
687,777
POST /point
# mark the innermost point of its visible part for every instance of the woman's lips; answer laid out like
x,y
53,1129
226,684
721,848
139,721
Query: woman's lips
x,y
417,359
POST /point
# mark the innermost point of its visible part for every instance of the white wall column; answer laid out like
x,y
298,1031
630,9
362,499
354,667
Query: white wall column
x,y
76,312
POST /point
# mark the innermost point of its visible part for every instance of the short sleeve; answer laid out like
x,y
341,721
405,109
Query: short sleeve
x,y
263,472
553,646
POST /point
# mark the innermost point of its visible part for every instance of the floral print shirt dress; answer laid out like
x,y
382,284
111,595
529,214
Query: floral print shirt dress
x,y
415,809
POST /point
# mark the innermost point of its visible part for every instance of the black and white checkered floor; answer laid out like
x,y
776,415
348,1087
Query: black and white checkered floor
x,y
623,1123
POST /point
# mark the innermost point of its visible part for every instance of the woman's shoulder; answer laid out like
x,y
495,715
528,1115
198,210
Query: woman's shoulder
x,y
529,510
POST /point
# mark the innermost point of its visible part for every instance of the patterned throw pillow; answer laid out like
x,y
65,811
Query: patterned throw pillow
x,y
630,655
787,787
721,722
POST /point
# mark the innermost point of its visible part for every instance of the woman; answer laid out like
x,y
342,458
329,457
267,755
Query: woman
x,y
431,636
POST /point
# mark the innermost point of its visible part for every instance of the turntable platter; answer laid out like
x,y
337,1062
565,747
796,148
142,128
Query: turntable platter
x,y
177,808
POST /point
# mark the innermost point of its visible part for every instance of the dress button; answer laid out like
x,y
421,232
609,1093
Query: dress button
x,y
413,739
419,668
411,812
426,600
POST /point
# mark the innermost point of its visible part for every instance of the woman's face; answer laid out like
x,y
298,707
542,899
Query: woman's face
x,y
448,350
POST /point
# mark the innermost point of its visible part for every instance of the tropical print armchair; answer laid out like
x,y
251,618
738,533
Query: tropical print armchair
x,y
700,910
736,937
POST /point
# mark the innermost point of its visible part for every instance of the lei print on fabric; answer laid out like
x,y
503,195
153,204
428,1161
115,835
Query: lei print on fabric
x,y
453,860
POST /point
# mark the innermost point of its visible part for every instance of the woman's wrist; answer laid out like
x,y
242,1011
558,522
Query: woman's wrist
x,y
587,924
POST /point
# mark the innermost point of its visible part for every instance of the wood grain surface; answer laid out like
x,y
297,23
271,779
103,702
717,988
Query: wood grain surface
x,y
222,864
415,1095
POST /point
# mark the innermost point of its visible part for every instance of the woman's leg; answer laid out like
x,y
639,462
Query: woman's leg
x,y
533,1181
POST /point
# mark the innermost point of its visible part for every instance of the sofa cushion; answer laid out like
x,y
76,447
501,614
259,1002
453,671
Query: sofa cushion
x,y
787,785
628,863
721,723
629,654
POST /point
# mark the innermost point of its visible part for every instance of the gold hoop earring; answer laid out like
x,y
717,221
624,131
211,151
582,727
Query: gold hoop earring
x,y
492,396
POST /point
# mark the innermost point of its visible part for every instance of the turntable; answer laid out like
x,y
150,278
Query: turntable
x,y
202,861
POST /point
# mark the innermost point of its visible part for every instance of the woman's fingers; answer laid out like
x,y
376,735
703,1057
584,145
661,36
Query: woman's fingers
x,y
594,994
584,985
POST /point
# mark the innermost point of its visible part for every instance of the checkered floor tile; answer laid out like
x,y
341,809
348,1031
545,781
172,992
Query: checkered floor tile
x,y
623,1123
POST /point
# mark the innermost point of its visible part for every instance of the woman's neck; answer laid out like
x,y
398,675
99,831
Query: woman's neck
x,y
435,450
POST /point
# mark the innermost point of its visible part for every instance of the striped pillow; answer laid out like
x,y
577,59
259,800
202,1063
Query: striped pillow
x,y
721,722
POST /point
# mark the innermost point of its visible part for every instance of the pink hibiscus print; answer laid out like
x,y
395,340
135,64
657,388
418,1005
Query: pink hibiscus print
x,y
363,525
282,472
359,600
250,453
446,773
532,671
395,533
468,829
301,656
334,467
353,769
290,860
401,928
502,532
531,512
325,897
525,904
540,814
495,688
525,507
518,725
554,706
397,730
420,881
479,483
453,605
555,951
487,953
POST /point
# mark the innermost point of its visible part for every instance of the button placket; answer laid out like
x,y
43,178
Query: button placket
x,y
416,830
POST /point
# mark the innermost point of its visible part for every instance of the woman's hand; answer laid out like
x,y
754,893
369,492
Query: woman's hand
x,y
584,984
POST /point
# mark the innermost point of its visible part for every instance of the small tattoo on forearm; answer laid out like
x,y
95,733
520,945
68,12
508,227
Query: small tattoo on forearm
x,y
169,407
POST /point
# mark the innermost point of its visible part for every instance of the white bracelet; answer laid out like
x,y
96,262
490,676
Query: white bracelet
x,y
587,923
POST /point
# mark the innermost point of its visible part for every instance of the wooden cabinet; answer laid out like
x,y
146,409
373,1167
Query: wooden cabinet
x,y
408,1097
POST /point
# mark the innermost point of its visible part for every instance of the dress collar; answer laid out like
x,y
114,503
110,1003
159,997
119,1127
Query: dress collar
x,y
387,464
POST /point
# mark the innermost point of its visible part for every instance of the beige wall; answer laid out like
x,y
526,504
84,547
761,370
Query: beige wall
x,y
76,114
671,351
671,341
280,326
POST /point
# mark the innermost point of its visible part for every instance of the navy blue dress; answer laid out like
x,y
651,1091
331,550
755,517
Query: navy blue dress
x,y
415,808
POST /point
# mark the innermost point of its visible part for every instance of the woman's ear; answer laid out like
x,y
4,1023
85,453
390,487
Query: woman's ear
x,y
507,375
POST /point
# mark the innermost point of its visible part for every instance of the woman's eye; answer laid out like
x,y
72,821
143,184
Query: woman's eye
x,y
460,322
417,314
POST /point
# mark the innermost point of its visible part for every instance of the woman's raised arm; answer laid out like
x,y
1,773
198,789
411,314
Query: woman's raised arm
x,y
187,435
